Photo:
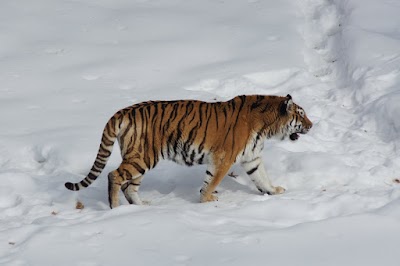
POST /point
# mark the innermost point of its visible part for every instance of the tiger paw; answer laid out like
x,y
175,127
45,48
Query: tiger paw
x,y
208,198
278,190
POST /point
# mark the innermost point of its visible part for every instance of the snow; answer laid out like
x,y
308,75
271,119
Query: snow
x,y
67,66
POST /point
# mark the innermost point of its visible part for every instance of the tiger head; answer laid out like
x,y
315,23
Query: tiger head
x,y
295,119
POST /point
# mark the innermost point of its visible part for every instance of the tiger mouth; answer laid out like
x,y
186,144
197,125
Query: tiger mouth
x,y
294,136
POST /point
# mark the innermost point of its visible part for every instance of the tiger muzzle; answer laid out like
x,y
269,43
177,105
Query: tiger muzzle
x,y
304,130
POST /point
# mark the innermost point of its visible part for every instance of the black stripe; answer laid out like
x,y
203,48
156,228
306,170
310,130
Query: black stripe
x,y
101,159
234,127
194,116
154,114
201,159
153,126
251,160
143,134
174,112
163,106
243,98
192,156
216,115
110,125
209,173
99,165
105,153
233,104
92,176
180,128
227,133
225,114
121,120
191,136
130,145
255,105
252,170
169,143
106,141
83,183
146,159
120,173
201,146
124,187
127,174
95,170
189,108
188,163
256,141
138,168
266,107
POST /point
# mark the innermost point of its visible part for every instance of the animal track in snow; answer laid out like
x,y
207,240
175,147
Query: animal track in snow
x,y
325,50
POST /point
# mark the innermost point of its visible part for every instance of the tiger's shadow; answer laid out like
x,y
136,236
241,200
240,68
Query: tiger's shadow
x,y
170,183
180,183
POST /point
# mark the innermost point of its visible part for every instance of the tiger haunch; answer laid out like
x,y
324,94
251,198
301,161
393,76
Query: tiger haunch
x,y
193,132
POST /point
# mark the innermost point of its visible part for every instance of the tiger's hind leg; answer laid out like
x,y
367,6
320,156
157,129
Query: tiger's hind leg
x,y
126,173
114,184
130,190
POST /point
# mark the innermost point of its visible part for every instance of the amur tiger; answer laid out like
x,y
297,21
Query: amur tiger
x,y
193,132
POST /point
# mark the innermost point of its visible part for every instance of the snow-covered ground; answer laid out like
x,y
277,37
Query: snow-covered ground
x,y
67,65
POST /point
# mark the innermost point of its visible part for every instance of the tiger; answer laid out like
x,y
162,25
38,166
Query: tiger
x,y
192,132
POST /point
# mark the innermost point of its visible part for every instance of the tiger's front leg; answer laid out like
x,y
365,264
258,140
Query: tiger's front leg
x,y
256,171
214,175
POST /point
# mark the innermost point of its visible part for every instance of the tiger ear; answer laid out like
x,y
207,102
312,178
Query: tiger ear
x,y
289,102
286,105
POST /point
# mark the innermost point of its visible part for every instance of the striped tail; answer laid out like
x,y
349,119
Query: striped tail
x,y
110,134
